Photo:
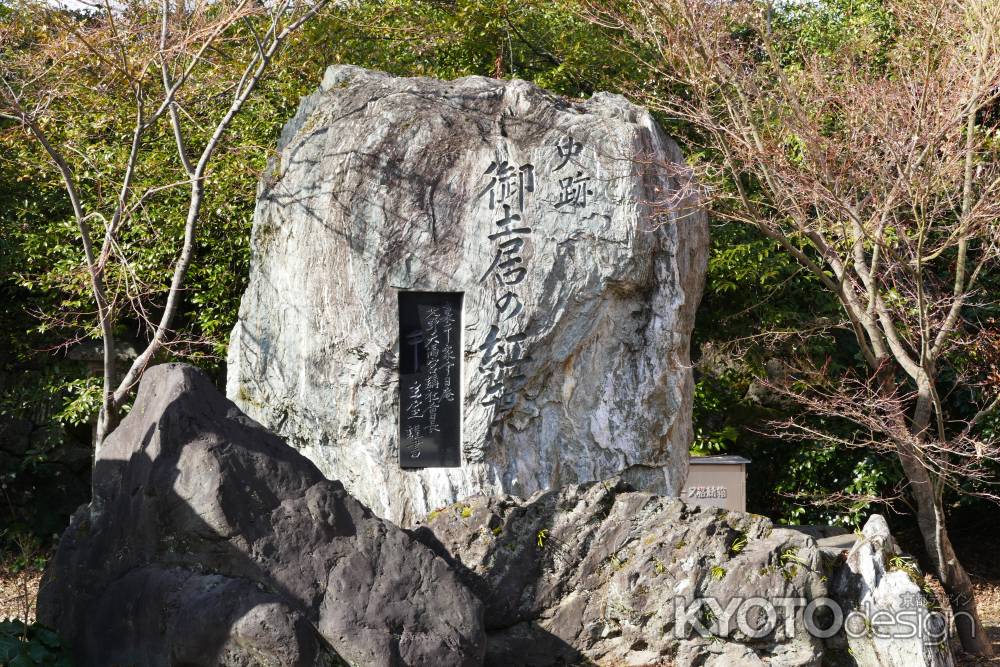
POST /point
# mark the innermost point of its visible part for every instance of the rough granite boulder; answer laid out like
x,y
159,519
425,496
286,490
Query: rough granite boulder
x,y
894,620
209,541
597,574
569,227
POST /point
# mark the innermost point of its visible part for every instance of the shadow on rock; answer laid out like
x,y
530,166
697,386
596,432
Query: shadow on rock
x,y
593,574
209,541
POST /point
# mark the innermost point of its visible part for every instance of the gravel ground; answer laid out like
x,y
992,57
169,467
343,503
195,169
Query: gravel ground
x,y
18,592
988,599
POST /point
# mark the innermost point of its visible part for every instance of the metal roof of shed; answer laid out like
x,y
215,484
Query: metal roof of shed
x,y
718,459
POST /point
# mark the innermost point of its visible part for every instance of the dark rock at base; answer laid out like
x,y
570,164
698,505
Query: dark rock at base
x,y
593,574
209,541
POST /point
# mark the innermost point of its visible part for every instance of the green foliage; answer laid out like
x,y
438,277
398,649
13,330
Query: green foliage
x,y
27,558
816,472
538,40
759,307
47,400
24,645
738,544
824,28
790,555
44,454
46,255
708,403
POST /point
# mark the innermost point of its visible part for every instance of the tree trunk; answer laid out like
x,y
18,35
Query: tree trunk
x,y
107,420
931,521
107,417
954,579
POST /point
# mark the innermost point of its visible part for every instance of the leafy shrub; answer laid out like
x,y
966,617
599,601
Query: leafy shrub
x,y
23,645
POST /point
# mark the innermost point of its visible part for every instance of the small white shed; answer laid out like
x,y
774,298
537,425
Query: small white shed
x,y
717,481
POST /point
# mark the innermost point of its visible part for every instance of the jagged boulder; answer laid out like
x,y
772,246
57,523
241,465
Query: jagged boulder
x,y
891,617
209,541
600,574
570,228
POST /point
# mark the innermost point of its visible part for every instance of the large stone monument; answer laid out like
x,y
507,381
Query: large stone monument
x,y
472,287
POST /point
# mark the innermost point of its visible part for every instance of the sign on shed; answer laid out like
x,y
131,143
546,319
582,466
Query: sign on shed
x,y
717,481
